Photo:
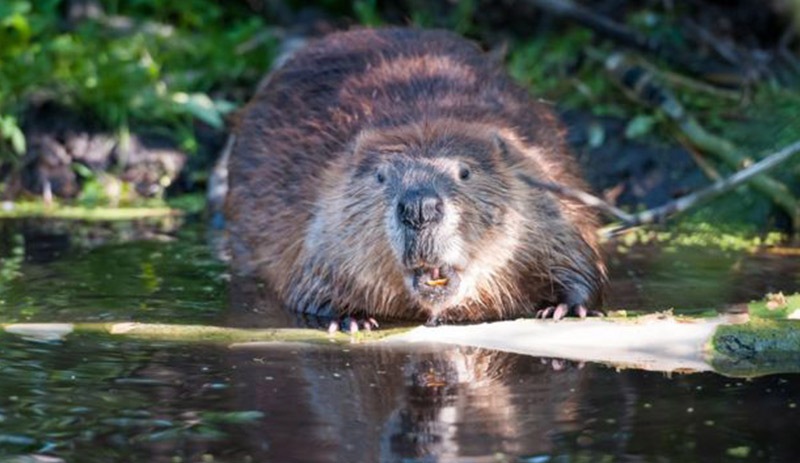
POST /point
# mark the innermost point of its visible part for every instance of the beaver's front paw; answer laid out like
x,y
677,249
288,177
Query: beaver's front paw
x,y
562,310
352,324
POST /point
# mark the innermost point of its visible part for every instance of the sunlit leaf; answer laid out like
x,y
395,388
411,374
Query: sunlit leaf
x,y
639,126
200,106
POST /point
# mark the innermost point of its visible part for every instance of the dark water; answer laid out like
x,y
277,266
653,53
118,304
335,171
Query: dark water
x,y
113,272
695,278
92,398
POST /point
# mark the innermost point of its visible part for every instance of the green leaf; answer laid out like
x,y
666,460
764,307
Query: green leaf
x,y
82,170
739,452
18,142
200,106
639,126
19,23
10,130
597,135
367,12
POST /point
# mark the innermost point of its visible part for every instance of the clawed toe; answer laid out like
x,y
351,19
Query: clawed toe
x,y
560,312
544,313
563,310
333,327
352,325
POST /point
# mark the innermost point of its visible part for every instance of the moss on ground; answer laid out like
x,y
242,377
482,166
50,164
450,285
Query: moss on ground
x,y
756,348
34,209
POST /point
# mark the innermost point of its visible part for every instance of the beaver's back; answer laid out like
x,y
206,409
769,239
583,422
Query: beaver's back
x,y
314,105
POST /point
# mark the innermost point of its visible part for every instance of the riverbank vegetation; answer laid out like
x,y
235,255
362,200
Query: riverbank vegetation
x,y
109,103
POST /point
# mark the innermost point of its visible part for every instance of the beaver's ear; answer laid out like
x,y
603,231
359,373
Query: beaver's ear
x,y
505,149
500,148
361,141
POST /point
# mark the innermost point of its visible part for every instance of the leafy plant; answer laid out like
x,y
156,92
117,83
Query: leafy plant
x,y
12,140
147,62
366,11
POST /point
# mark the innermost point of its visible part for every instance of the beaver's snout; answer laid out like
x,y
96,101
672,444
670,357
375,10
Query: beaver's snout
x,y
426,225
420,208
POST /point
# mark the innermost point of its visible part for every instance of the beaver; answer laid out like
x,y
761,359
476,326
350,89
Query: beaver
x,y
391,173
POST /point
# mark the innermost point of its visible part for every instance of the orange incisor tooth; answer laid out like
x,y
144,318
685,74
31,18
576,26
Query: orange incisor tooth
x,y
437,282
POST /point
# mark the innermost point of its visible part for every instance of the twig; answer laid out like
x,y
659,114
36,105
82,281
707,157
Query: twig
x,y
580,196
638,85
693,84
783,48
599,24
668,76
659,214
623,35
718,188
707,168
726,151
722,47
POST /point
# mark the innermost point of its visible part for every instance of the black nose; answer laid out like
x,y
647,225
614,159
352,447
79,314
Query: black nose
x,y
418,209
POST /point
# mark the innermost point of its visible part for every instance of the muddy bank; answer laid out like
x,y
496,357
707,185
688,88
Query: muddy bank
x,y
71,155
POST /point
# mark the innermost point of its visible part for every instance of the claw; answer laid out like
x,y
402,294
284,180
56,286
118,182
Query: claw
x,y
369,324
352,324
544,313
333,327
560,311
582,311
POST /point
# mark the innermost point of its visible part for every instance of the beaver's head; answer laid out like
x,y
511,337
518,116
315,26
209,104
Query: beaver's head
x,y
445,199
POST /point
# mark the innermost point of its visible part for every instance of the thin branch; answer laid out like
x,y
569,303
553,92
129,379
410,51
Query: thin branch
x,y
602,25
716,189
639,85
723,48
625,36
580,196
659,214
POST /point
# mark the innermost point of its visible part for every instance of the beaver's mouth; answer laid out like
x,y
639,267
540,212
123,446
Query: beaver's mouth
x,y
435,283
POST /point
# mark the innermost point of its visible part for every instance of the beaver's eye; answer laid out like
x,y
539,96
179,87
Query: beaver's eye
x,y
464,173
380,177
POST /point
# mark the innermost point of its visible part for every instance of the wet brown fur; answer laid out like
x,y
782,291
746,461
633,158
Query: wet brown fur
x,y
300,216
